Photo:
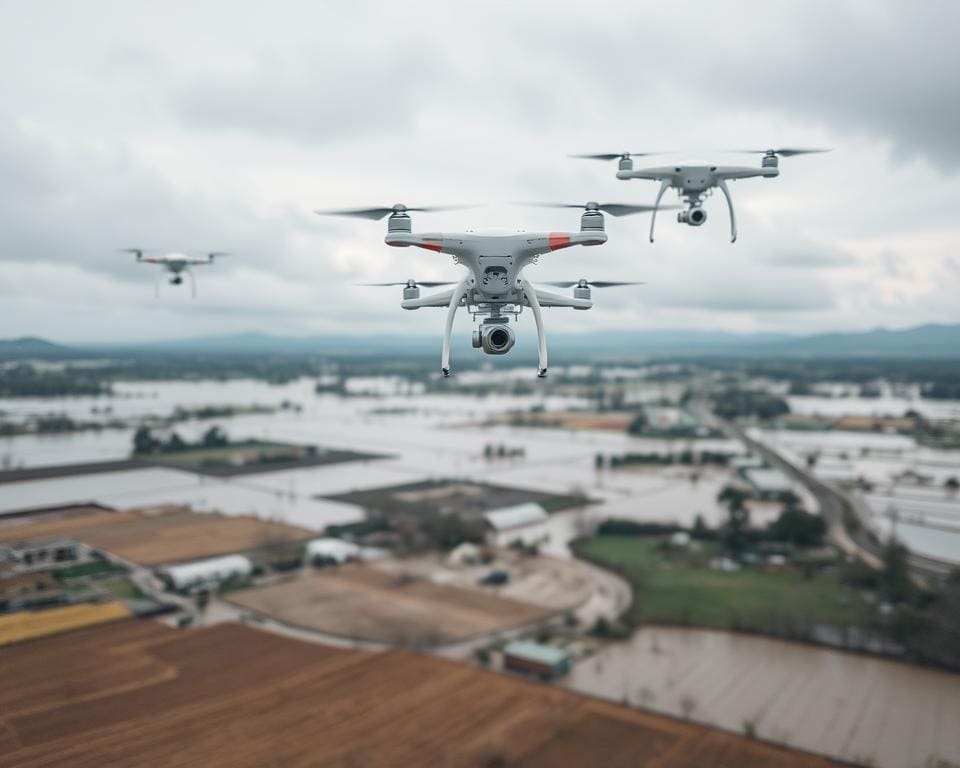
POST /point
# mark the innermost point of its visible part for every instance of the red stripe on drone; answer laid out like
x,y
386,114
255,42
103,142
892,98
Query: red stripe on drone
x,y
432,246
558,241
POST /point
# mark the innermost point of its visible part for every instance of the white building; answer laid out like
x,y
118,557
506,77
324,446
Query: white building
x,y
330,549
212,571
528,523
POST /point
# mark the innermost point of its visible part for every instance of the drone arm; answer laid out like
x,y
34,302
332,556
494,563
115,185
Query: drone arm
x,y
532,300
664,186
550,299
456,296
733,172
538,244
431,241
648,174
733,217
441,299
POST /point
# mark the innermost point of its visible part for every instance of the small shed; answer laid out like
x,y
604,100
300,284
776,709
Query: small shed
x,y
211,571
545,661
331,550
465,553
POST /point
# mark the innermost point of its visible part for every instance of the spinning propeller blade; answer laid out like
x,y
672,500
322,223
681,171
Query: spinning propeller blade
x,y
615,155
614,209
584,283
407,283
783,151
379,213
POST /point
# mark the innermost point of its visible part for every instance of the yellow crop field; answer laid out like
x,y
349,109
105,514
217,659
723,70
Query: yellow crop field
x,y
30,624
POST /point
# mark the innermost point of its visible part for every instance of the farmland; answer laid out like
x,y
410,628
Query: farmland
x,y
362,602
675,590
155,536
25,625
138,693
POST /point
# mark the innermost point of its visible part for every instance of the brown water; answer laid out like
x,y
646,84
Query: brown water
x,y
857,708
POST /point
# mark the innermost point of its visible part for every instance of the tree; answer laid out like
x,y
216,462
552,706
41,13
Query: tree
x,y
700,529
738,519
798,527
214,438
895,584
144,441
174,444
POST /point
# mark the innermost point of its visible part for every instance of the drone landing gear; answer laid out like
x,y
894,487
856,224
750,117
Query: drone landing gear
x,y
664,186
534,303
733,218
193,285
458,293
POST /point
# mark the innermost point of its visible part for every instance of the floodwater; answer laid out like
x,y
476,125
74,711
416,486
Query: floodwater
x,y
425,436
862,709
908,495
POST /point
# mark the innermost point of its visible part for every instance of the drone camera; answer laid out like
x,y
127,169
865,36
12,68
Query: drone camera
x,y
693,216
176,280
494,338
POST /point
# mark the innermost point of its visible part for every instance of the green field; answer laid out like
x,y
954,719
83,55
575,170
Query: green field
x,y
680,589
199,457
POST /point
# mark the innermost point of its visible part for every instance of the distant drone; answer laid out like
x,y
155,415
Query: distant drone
x,y
694,182
495,287
177,264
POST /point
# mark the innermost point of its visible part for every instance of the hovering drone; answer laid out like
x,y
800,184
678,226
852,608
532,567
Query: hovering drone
x,y
694,182
494,287
177,264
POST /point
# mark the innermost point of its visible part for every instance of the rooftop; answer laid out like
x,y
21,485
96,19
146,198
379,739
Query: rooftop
x,y
515,517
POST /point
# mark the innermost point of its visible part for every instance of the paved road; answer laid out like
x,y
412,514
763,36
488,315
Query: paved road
x,y
832,501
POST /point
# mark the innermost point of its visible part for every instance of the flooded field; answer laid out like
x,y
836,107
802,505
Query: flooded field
x,y
908,482
860,709
426,436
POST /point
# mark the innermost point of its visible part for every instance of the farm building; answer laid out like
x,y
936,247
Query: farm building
x,y
768,483
330,550
524,522
40,553
546,661
202,572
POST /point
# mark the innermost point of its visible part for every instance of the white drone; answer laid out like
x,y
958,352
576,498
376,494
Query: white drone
x,y
177,264
494,287
694,182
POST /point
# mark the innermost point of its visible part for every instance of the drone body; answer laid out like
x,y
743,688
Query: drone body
x,y
694,182
494,287
176,264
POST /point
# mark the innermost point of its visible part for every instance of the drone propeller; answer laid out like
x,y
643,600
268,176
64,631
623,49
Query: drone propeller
x,y
615,155
783,152
614,209
411,283
582,283
378,213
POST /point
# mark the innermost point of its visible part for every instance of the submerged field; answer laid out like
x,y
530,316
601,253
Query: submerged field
x,y
676,590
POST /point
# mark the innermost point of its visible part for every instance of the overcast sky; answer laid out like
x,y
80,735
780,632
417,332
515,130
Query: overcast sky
x,y
222,125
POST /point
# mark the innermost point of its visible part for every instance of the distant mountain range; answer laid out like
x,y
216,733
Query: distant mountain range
x,y
925,341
